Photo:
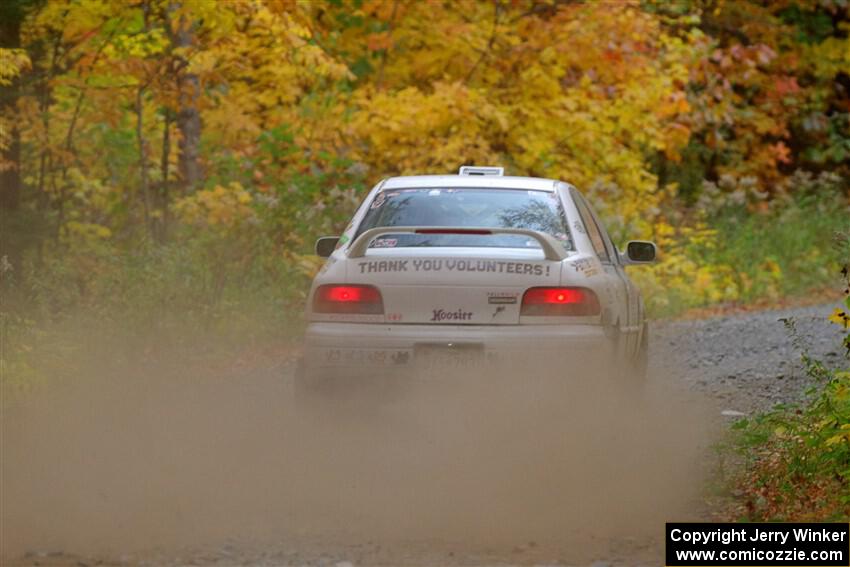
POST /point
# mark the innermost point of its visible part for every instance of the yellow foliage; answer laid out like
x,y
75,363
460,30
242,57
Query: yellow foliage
x,y
678,277
223,207
452,122
268,72
499,88
12,63
84,235
839,317
829,57
843,435
306,264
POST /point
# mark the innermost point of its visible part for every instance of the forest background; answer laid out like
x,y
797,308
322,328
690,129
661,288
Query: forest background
x,y
167,164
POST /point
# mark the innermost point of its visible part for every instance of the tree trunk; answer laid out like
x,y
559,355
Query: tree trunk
x,y
188,115
144,185
164,220
44,94
11,14
189,123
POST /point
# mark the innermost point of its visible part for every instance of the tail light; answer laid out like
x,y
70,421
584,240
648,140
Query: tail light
x,y
559,302
355,299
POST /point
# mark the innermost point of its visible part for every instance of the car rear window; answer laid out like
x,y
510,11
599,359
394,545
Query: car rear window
x,y
466,208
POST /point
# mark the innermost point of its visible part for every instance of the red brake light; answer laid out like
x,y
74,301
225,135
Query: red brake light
x,y
355,299
559,301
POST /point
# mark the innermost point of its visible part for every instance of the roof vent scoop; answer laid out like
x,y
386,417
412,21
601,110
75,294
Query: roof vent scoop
x,y
481,170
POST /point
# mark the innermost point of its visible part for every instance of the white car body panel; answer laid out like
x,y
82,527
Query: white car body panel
x,y
470,295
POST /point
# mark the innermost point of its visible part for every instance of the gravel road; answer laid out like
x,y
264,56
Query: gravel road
x,y
729,366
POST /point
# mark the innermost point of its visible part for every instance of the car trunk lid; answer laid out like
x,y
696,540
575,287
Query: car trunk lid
x,y
452,285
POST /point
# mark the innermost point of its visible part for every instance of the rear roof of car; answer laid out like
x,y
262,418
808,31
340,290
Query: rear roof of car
x,y
477,181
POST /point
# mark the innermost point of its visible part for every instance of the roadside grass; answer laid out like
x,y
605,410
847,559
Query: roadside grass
x,y
783,253
209,303
738,257
793,463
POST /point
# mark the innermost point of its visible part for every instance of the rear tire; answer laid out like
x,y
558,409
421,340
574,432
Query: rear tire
x,y
305,388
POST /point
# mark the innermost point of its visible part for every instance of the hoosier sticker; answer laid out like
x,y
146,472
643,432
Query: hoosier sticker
x,y
458,315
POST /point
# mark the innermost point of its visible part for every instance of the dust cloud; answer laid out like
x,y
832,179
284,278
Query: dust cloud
x,y
151,451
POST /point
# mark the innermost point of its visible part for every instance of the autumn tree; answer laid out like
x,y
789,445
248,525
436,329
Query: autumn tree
x,y
12,62
261,121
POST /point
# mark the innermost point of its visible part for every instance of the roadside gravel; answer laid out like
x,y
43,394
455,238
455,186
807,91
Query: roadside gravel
x,y
746,362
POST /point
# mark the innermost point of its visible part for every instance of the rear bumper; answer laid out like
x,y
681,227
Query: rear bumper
x,y
393,347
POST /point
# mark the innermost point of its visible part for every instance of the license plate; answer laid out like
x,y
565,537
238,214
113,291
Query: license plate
x,y
362,357
462,356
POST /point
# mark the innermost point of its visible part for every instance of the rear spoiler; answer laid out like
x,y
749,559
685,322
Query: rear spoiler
x,y
552,249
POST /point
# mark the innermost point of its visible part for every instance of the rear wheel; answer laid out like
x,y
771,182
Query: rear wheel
x,y
636,371
630,374
309,386
640,366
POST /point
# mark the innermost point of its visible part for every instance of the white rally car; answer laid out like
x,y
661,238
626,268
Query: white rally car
x,y
456,270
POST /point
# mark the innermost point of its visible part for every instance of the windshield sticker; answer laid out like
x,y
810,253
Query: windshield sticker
x,y
440,265
342,240
379,200
579,226
434,192
384,243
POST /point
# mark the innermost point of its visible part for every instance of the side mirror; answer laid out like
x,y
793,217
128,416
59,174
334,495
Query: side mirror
x,y
326,245
640,252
